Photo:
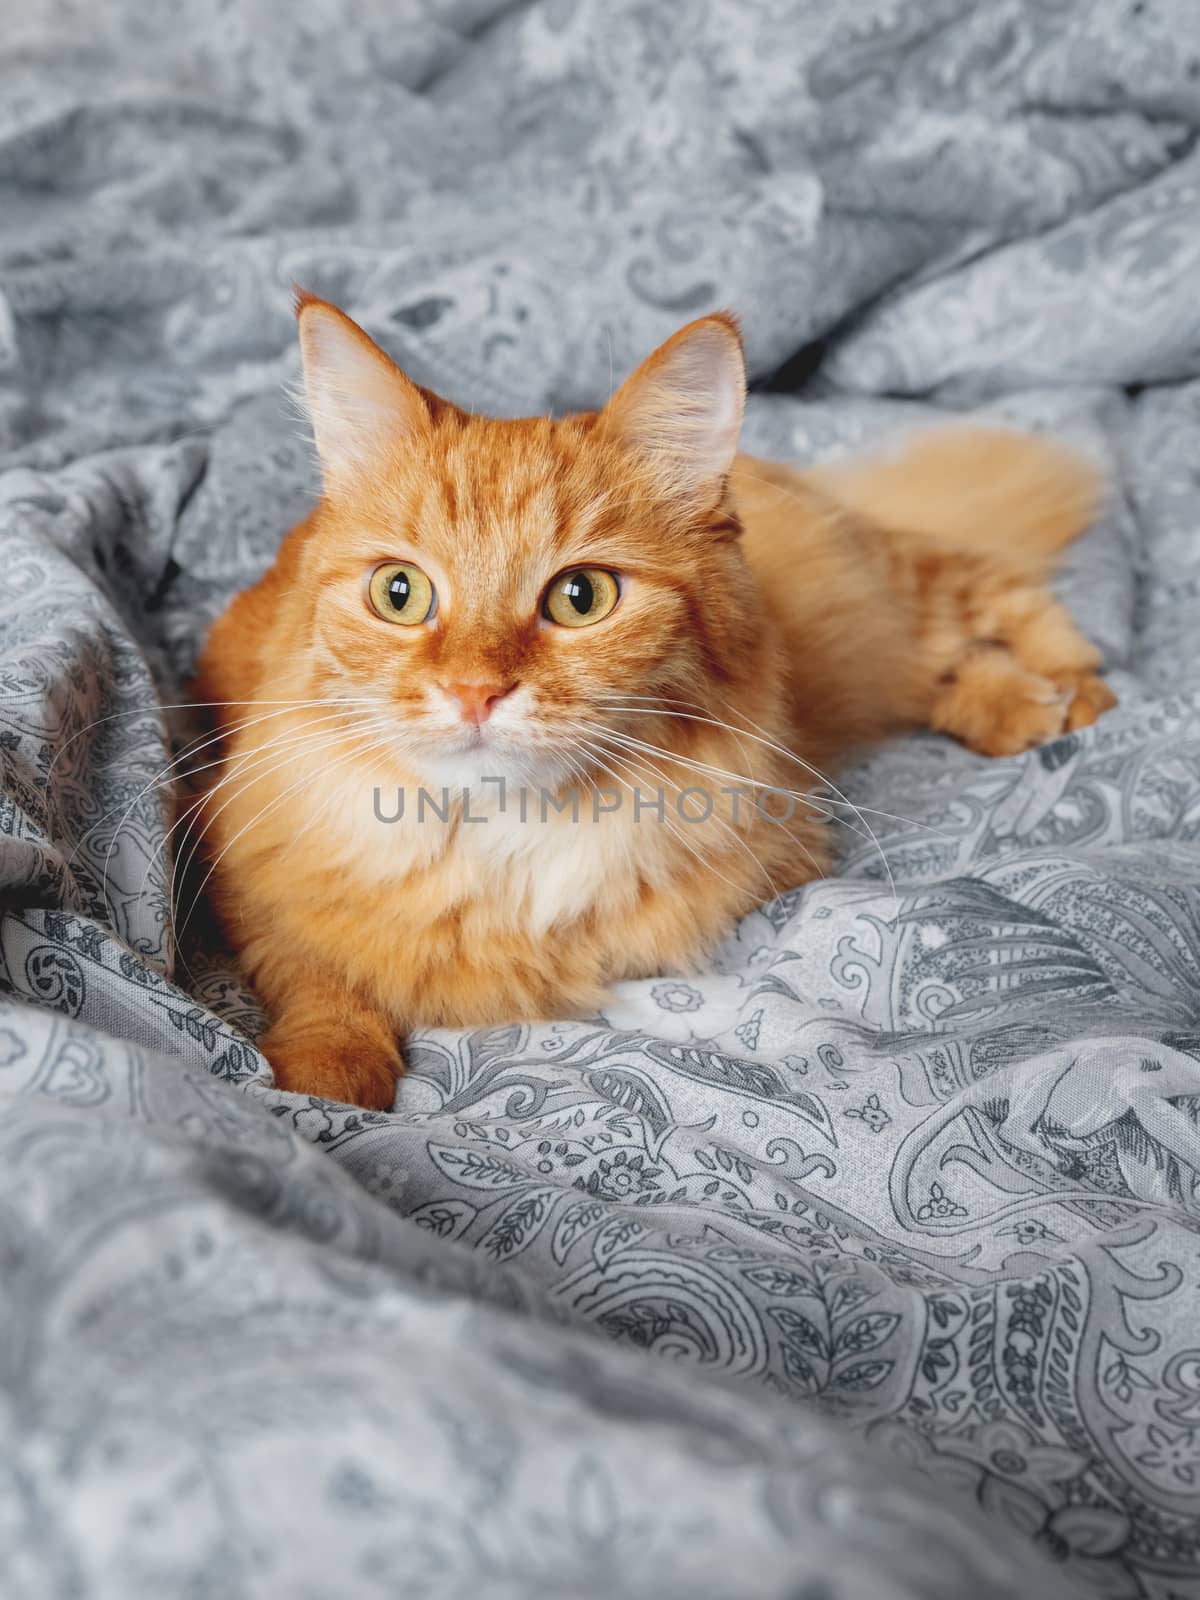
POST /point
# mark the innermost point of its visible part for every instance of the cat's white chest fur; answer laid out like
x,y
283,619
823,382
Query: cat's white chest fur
x,y
546,865
556,865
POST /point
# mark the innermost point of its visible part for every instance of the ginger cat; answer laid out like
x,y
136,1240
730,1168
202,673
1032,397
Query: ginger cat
x,y
603,611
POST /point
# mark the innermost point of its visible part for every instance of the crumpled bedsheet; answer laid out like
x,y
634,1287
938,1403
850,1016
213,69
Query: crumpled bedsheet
x,y
864,1265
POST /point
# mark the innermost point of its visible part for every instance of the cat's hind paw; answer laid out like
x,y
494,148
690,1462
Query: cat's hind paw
x,y
1090,696
996,708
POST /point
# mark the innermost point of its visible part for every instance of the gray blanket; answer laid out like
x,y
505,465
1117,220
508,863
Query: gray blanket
x,y
867,1264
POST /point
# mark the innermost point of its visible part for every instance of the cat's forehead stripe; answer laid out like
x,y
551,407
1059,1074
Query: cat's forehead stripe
x,y
523,488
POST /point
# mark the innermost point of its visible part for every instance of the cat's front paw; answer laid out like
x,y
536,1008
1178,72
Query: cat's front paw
x,y
344,1064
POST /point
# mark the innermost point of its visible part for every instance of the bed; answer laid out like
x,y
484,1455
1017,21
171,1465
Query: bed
x,y
865,1264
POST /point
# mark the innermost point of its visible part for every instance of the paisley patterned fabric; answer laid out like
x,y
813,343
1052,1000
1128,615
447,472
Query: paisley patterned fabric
x,y
865,1264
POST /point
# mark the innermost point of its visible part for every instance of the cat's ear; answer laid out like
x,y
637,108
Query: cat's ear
x,y
359,403
682,409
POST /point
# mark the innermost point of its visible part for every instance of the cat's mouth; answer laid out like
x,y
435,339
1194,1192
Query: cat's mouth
x,y
488,753
474,743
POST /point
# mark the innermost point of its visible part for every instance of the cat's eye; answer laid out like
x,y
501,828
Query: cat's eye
x,y
577,599
402,593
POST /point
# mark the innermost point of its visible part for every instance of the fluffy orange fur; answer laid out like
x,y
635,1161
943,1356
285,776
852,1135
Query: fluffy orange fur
x,y
768,621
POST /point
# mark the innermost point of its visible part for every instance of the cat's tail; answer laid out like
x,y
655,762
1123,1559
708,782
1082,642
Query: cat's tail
x,y
978,488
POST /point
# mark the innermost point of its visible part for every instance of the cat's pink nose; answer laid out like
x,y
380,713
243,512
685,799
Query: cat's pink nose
x,y
476,699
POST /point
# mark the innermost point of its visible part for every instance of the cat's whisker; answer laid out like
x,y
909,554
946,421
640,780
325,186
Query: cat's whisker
x,y
703,770
840,797
162,706
598,759
383,743
743,781
191,748
576,768
249,764
772,744
600,741
579,771
740,780
660,702
888,816
197,805
671,758
309,742
370,725
657,702
158,780
656,706
263,811
828,783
